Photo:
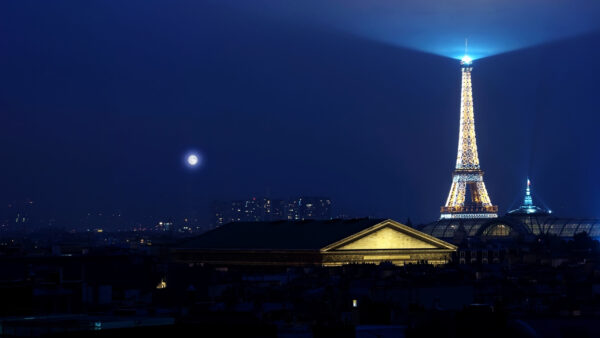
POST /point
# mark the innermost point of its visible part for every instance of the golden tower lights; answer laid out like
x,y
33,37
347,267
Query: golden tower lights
x,y
468,197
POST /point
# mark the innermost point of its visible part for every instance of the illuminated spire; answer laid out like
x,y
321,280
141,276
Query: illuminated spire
x,y
528,202
466,59
528,207
468,197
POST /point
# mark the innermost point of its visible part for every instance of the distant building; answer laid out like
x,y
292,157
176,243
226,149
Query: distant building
x,y
267,209
309,208
325,242
528,220
164,226
251,210
274,209
528,208
220,212
18,215
511,226
292,211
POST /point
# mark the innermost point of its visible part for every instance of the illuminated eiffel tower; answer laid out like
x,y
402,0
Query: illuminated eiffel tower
x,y
468,197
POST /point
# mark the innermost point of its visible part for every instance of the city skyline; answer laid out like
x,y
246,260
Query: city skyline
x,y
231,168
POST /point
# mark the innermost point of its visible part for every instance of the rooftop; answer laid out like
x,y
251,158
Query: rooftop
x,y
288,235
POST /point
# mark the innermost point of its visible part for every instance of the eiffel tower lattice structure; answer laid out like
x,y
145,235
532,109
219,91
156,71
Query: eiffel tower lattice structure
x,y
468,197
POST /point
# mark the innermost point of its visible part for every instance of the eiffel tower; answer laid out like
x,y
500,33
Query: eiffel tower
x,y
468,197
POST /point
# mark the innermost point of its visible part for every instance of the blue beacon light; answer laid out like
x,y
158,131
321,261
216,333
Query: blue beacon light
x,y
466,60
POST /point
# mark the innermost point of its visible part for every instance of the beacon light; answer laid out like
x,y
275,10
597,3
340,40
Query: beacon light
x,y
466,60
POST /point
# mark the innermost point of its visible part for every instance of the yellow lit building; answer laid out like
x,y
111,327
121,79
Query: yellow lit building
x,y
327,243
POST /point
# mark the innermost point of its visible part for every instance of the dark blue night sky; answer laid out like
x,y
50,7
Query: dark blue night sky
x,y
99,101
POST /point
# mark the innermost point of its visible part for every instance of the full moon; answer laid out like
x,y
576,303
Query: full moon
x,y
192,160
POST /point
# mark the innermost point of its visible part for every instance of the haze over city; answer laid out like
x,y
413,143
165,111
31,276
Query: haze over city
x,y
100,101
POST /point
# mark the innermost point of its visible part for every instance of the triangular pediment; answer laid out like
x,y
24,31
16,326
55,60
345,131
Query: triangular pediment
x,y
386,238
389,235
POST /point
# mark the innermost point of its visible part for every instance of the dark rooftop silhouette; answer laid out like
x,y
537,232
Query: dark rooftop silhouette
x,y
291,235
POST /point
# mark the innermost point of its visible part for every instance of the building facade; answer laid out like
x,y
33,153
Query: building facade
x,y
323,243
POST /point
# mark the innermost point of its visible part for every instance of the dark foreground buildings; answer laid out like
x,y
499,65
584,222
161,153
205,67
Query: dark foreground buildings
x,y
544,288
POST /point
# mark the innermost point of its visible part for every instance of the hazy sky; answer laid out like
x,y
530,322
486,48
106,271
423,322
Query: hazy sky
x,y
99,101
441,27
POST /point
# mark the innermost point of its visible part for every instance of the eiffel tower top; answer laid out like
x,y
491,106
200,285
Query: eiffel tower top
x,y
466,61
